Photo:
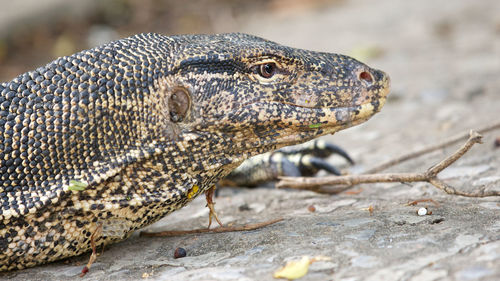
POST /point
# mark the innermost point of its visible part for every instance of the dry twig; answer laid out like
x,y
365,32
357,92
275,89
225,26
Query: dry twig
x,y
316,184
209,195
414,203
431,148
95,235
213,230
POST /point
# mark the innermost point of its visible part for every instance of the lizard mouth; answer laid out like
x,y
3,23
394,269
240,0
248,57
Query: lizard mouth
x,y
373,98
277,123
370,100
308,123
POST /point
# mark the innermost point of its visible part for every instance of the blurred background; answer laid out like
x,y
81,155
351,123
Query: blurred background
x,y
444,61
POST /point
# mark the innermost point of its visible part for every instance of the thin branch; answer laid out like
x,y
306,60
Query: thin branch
x,y
474,138
414,203
317,184
431,148
310,182
213,230
430,176
95,235
209,197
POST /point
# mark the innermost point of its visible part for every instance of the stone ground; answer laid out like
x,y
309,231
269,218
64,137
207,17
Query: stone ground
x,y
443,58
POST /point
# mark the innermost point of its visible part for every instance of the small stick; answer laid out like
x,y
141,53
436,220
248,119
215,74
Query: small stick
x,y
213,230
414,203
97,233
473,139
209,195
316,184
430,148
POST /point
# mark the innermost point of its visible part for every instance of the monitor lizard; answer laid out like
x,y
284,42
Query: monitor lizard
x,y
120,135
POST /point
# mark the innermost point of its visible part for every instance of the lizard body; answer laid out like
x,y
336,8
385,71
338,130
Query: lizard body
x,y
121,135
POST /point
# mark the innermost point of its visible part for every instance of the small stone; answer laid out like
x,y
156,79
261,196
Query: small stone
x,y
244,207
180,253
422,211
497,142
311,208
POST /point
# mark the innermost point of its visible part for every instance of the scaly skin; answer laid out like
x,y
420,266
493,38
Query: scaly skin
x,y
146,123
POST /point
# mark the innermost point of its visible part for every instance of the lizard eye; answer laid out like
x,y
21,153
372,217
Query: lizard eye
x,y
267,70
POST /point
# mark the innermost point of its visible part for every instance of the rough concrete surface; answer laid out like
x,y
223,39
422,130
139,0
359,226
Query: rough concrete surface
x,y
444,60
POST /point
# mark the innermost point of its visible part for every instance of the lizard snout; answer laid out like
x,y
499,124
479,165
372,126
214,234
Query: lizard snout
x,y
373,80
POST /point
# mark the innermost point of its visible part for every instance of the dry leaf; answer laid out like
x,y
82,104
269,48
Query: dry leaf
x,y
296,269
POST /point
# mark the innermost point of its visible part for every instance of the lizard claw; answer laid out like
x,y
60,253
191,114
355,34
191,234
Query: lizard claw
x,y
318,148
209,194
295,161
335,149
320,164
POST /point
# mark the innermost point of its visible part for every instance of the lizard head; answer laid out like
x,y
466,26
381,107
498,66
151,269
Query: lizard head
x,y
259,94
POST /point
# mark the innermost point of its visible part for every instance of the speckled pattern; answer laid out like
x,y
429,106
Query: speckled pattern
x,y
105,119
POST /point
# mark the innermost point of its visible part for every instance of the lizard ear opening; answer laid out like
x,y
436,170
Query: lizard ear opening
x,y
178,104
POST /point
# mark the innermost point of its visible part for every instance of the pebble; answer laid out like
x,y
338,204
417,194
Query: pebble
x,y
422,211
180,253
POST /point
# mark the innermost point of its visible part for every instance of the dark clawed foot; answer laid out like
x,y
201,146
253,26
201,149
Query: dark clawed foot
x,y
320,164
312,157
317,148
335,149
295,161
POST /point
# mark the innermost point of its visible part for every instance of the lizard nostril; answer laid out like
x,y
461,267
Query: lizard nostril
x,y
366,77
